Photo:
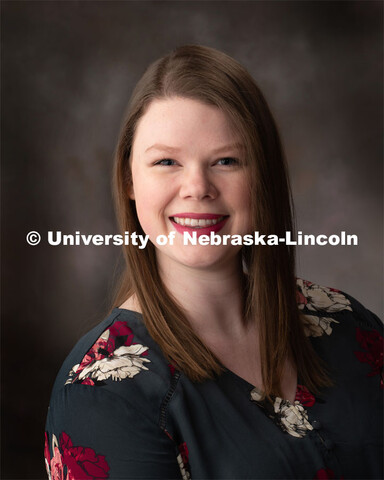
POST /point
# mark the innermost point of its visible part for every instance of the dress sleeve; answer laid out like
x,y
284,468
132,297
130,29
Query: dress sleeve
x,y
94,433
370,319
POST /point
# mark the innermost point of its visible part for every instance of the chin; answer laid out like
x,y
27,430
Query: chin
x,y
205,260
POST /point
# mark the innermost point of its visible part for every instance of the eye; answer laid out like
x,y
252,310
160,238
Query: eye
x,y
166,162
228,161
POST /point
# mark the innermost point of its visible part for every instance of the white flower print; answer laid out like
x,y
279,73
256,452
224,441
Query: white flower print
x,y
292,418
113,355
124,362
72,373
184,473
256,395
48,469
317,298
317,326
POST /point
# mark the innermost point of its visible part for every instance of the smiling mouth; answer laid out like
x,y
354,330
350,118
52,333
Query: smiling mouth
x,y
197,222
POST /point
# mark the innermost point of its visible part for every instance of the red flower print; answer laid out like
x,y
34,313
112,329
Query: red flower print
x,y
183,449
304,396
112,356
47,454
82,462
372,342
334,290
88,381
72,463
57,467
106,344
182,460
98,351
300,299
326,473
119,329
168,434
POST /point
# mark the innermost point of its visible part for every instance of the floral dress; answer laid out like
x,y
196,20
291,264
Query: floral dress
x,y
119,410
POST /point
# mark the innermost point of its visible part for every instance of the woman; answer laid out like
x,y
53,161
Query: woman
x,y
215,362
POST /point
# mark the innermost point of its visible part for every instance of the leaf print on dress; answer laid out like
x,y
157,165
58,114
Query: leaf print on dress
x,y
73,463
290,417
372,343
112,356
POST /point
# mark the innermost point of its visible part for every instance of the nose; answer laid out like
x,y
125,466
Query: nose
x,y
196,184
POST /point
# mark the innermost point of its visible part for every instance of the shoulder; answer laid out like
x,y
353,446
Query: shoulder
x,y
322,307
344,333
118,358
104,417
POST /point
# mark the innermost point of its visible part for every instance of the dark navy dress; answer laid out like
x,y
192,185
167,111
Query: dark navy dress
x,y
119,410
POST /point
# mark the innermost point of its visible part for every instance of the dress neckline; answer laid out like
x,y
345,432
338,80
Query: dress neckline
x,y
249,386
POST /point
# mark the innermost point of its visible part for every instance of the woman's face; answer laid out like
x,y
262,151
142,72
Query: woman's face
x,y
189,175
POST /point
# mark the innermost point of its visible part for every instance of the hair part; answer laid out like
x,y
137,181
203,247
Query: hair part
x,y
212,77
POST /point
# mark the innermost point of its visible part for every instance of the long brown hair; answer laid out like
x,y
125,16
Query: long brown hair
x,y
214,78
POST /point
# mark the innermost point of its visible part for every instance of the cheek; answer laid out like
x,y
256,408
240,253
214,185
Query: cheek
x,y
150,204
240,196
241,202
144,210
143,202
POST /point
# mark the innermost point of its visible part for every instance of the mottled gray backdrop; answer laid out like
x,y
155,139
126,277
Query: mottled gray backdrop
x,y
68,69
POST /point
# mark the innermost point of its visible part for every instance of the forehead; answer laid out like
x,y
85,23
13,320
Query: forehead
x,y
183,122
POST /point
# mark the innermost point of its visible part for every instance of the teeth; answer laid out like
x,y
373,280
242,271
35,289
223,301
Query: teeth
x,y
197,222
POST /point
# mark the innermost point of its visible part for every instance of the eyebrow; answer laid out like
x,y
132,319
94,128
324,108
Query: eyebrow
x,y
169,149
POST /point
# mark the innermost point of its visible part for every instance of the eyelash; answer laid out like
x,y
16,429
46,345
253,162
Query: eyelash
x,y
160,162
234,161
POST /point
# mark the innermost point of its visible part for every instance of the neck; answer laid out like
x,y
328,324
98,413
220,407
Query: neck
x,y
212,299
